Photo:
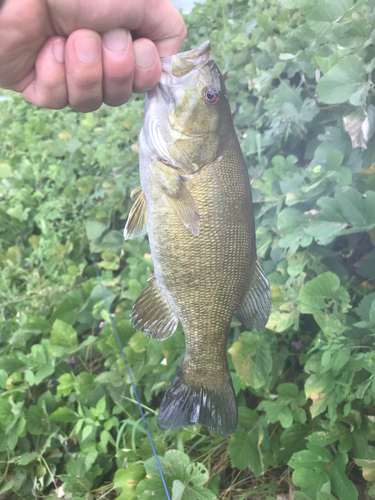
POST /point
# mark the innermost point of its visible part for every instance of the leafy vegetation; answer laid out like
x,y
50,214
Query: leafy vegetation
x,y
299,77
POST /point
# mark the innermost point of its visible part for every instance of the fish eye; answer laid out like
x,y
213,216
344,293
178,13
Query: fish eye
x,y
211,95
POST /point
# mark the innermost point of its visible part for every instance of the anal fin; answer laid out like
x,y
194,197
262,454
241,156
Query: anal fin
x,y
137,220
152,314
255,307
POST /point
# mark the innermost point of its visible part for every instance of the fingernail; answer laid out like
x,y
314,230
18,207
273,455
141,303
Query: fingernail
x,y
116,39
144,55
87,49
59,50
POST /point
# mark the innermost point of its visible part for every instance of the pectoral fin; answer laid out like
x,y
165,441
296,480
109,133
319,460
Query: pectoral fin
x,y
255,307
184,205
137,221
152,314
136,193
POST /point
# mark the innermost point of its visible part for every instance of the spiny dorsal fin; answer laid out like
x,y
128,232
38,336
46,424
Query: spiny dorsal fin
x,y
255,307
184,205
137,221
152,314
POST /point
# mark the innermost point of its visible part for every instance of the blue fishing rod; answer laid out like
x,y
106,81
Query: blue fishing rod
x,y
131,378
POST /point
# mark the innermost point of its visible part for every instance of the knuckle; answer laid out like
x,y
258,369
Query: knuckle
x,y
119,74
117,100
85,80
85,107
51,100
183,30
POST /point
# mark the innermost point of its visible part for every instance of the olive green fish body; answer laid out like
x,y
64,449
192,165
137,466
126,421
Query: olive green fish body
x,y
200,225
206,276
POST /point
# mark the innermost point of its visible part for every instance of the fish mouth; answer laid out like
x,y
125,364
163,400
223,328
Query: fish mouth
x,y
183,69
183,63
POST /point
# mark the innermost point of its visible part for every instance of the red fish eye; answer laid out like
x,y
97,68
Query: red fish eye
x,y
211,95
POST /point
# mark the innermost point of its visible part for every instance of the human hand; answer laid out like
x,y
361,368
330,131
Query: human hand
x,y
81,52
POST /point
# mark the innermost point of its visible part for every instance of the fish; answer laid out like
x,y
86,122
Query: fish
x,y
195,204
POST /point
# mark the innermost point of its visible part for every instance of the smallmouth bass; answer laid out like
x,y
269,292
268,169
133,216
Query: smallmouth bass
x,y
195,203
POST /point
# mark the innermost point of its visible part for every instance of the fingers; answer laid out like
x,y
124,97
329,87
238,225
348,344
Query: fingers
x,y
89,69
108,68
47,87
147,70
53,62
84,70
118,66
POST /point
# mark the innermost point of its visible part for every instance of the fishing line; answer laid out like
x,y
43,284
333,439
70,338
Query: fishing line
x,y
131,379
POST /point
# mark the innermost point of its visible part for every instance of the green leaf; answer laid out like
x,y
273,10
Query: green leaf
x,y
246,448
364,307
310,481
66,384
100,406
371,491
330,12
27,458
372,312
368,468
37,420
176,466
346,81
367,269
348,207
318,388
6,486
6,415
277,412
63,339
299,495
357,208
252,359
292,440
87,430
128,479
3,379
16,429
64,414
177,489
94,229
67,308
76,485
319,293
287,390
341,485
323,495
311,459
292,223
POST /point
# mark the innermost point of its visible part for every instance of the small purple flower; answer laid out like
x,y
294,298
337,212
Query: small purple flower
x,y
234,111
56,480
26,265
72,361
101,325
297,345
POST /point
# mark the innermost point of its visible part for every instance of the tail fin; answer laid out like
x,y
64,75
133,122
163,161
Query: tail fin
x,y
215,408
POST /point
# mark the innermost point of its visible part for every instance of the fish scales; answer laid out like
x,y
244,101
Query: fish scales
x,y
197,197
207,290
